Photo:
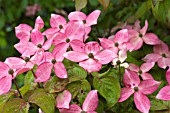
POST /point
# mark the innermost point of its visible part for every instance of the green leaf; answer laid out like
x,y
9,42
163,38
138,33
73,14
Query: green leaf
x,y
26,88
157,104
29,78
74,88
45,102
77,73
85,85
100,107
104,3
16,105
80,4
2,20
99,75
109,88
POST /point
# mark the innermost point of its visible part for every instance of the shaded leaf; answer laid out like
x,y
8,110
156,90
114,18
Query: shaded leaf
x,y
104,3
74,88
79,4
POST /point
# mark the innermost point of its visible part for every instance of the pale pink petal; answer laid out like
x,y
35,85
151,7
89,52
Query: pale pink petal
x,y
131,79
39,23
142,102
168,76
163,62
92,18
47,44
63,99
25,47
105,56
87,31
91,101
43,72
133,33
164,93
50,32
91,112
37,58
162,48
145,67
77,45
37,37
48,56
5,84
59,38
73,109
144,29
23,32
4,68
136,43
91,65
122,55
121,36
146,76
148,86
57,20
151,39
15,62
152,57
106,43
77,15
75,56
60,70
133,67
92,47
125,94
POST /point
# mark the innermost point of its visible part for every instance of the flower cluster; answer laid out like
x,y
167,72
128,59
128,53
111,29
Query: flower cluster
x,y
68,40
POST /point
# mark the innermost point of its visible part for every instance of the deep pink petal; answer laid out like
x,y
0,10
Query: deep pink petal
x,y
87,31
92,47
151,39
168,76
4,68
133,33
133,67
37,37
63,99
15,62
73,109
75,56
39,23
5,84
57,20
136,43
121,36
163,62
59,51
91,101
160,49
60,70
106,43
59,38
43,72
77,45
105,56
144,29
48,56
131,79
146,76
37,58
47,44
142,102
145,67
92,18
91,65
148,86
77,15
152,57
164,93
23,32
125,94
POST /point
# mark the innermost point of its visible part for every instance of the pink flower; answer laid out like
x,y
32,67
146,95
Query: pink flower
x,y
143,69
138,37
139,89
44,70
91,58
164,93
161,55
89,106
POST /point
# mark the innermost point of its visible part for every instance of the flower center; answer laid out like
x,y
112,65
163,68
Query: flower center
x,y
27,59
164,55
140,72
83,112
84,21
90,55
67,40
11,72
118,62
39,46
60,26
140,35
53,61
136,89
116,44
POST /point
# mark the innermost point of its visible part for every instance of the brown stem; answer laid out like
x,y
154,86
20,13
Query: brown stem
x,y
35,77
17,88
